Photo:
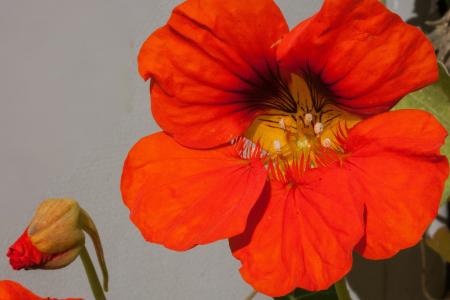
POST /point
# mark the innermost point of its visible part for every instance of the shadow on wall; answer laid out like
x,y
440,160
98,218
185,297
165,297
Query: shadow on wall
x,y
427,10
398,278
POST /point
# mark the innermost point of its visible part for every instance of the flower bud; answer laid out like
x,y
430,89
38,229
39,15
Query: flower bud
x,y
55,237
52,240
10,290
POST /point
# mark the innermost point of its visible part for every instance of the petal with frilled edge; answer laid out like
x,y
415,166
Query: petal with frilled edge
x,y
396,169
180,197
10,290
366,57
300,236
213,63
24,255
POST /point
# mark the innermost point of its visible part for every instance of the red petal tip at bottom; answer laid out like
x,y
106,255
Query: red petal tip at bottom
x,y
11,290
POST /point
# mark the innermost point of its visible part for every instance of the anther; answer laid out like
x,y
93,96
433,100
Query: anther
x,y
277,145
308,118
318,128
326,143
282,124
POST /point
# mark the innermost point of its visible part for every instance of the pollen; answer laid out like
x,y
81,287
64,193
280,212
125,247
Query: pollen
x,y
303,143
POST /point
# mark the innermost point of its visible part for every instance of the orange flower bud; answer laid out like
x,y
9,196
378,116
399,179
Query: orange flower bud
x,y
52,240
10,290
55,237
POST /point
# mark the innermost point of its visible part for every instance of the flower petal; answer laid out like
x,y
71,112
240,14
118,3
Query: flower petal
x,y
24,255
181,197
300,236
210,66
11,290
398,173
366,56
207,126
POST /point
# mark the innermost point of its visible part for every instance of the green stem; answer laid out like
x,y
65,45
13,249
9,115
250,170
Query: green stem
x,y
96,287
341,290
252,295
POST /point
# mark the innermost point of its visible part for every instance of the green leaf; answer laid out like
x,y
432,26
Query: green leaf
x,y
300,294
440,242
436,100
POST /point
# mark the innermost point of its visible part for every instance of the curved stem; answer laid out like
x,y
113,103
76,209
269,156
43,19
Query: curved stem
x,y
252,295
88,225
96,287
341,290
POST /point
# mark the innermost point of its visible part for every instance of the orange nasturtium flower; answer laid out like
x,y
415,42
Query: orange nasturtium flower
x,y
10,290
282,141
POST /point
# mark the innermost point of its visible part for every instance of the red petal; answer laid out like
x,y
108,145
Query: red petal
x,y
366,56
181,197
24,255
10,290
300,236
207,126
212,54
398,173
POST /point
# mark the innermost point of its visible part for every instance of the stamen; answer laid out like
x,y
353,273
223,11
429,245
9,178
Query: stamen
x,y
246,149
301,129
318,128
308,119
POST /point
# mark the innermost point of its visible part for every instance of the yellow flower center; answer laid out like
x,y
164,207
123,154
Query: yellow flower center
x,y
301,123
